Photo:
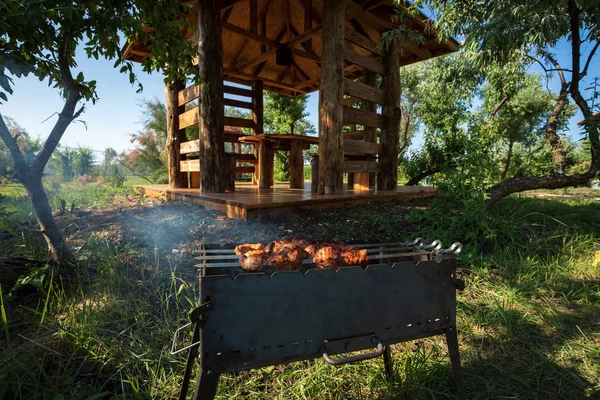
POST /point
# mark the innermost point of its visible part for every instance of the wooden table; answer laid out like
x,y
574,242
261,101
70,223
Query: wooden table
x,y
267,144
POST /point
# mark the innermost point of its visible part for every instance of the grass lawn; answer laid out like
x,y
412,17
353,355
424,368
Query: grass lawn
x,y
528,320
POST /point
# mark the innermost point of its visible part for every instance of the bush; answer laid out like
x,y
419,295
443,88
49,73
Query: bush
x,y
82,180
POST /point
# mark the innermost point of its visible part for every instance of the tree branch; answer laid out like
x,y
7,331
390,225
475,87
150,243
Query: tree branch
x,y
68,114
13,148
557,66
591,55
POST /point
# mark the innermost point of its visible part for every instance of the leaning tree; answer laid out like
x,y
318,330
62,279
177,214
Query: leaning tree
x,y
41,38
495,30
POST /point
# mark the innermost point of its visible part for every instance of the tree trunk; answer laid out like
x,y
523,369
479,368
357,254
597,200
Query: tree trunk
x,y
331,154
558,149
419,177
523,183
212,137
507,161
57,248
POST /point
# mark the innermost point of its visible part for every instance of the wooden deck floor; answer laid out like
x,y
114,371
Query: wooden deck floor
x,y
249,202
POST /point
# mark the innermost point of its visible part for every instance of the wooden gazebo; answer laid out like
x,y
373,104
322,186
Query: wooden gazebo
x,y
294,47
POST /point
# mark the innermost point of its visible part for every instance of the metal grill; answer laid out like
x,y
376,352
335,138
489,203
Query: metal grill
x,y
251,320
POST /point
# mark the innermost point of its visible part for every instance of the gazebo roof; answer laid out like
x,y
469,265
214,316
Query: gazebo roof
x,y
253,30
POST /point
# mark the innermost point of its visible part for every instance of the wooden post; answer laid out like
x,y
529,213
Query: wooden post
x,y
229,173
314,171
175,135
390,134
257,118
361,181
331,95
264,166
257,104
212,137
370,132
296,165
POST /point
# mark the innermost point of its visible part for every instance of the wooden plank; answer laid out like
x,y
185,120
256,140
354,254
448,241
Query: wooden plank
x,y
241,122
244,170
188,94
390,135
189,118
192,146
363,61
362,91
362,166
350,101
249,158
190,165
362,41
331,96
360,147
355,135
237,103
237,91
355,116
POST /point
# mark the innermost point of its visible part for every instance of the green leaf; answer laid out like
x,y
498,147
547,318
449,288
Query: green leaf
x,y
3,96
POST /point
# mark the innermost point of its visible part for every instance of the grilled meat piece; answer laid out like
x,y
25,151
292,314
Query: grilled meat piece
x,y
288,254
335,254
276,245
243,248
252,260
353,256
327,256
289,257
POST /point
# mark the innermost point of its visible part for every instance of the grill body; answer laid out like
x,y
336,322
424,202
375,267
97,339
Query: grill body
x,y
261,319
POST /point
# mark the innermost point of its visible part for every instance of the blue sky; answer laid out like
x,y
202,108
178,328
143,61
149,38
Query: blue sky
x,y
117,113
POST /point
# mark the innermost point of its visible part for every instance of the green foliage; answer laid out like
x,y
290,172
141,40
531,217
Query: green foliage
x,y
527,319
83,161
285,115
64,160
148,159
115,178
37,36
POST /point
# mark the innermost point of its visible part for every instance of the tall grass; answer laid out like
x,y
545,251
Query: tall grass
x,y
527,320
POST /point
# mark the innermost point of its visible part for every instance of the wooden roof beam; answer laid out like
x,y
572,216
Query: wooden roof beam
x,y
275,44
355,11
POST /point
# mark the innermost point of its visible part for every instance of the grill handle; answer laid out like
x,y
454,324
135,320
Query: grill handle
x,y
360,357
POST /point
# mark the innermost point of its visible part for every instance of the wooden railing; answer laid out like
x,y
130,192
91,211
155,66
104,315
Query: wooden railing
x,y
191,118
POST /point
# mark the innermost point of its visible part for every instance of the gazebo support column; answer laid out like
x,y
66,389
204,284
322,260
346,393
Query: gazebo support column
x,y
370,79
390,134
257,118
331,98
175,136
212,137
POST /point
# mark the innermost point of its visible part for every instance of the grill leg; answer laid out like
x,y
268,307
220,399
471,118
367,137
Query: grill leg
x,y
206,385
452,342
192,355
388,364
